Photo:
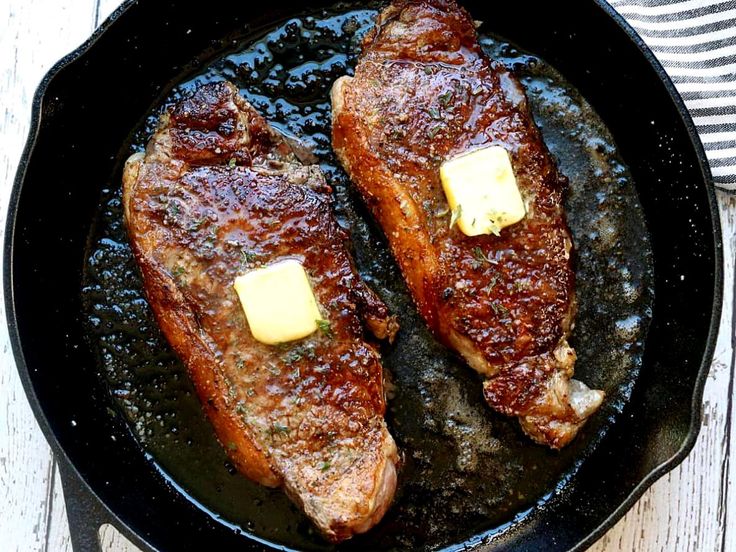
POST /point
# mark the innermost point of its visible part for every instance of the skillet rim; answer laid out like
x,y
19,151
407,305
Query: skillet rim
x,y
696,406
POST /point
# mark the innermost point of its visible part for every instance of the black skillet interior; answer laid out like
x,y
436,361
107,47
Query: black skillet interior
x,y
90,105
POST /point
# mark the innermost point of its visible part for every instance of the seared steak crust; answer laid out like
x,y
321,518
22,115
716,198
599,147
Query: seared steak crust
x,y
217,193
424,92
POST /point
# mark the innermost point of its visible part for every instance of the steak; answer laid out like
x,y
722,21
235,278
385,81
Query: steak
x,y
423,93
217,193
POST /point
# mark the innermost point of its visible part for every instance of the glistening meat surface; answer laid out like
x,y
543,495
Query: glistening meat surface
x,y
218,193
424,92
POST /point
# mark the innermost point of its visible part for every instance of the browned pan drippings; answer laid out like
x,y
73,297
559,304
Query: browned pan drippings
x,y
466,469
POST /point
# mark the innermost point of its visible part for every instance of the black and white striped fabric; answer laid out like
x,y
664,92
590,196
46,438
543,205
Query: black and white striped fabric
x,y
695,40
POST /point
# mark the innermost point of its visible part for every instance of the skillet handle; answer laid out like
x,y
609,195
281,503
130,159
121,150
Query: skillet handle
x,y
84,511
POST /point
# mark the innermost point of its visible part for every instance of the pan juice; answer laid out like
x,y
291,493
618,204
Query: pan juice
x,y
466,471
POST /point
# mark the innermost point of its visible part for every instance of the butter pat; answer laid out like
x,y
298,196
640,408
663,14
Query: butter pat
x,y
481,191
278,302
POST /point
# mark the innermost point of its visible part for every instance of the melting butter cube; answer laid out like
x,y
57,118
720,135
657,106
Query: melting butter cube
x,y
481,191
278,302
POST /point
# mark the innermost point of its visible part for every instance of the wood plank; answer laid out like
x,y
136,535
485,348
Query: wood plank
x,y
57,533
689,509
686,509
727,500
105,8
111,540
33,36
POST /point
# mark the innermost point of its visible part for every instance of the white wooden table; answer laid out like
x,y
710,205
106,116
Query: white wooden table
x,y
693,508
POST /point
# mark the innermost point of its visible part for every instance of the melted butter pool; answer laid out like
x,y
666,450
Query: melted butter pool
x,y
466,470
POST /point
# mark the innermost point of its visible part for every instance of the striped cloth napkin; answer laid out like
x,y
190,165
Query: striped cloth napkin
x,y
695,40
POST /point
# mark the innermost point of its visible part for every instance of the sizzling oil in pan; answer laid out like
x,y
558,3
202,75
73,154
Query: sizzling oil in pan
x,y
466,469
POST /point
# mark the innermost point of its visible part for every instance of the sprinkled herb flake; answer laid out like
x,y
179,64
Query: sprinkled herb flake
x,y
446,97
298,353
292,356
247,257
495,228
324,466
232,163
434,113
427,206
277,428
173,209
296,400
434,131
479,256
232,446
178,271
499,308
197,223
325,327
456,214
489,288
494,218
240,408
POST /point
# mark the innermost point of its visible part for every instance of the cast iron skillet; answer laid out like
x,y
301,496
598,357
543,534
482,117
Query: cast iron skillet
x,y
85,109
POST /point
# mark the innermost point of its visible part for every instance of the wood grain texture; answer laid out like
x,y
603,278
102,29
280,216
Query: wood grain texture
x,y
33,36
690,508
